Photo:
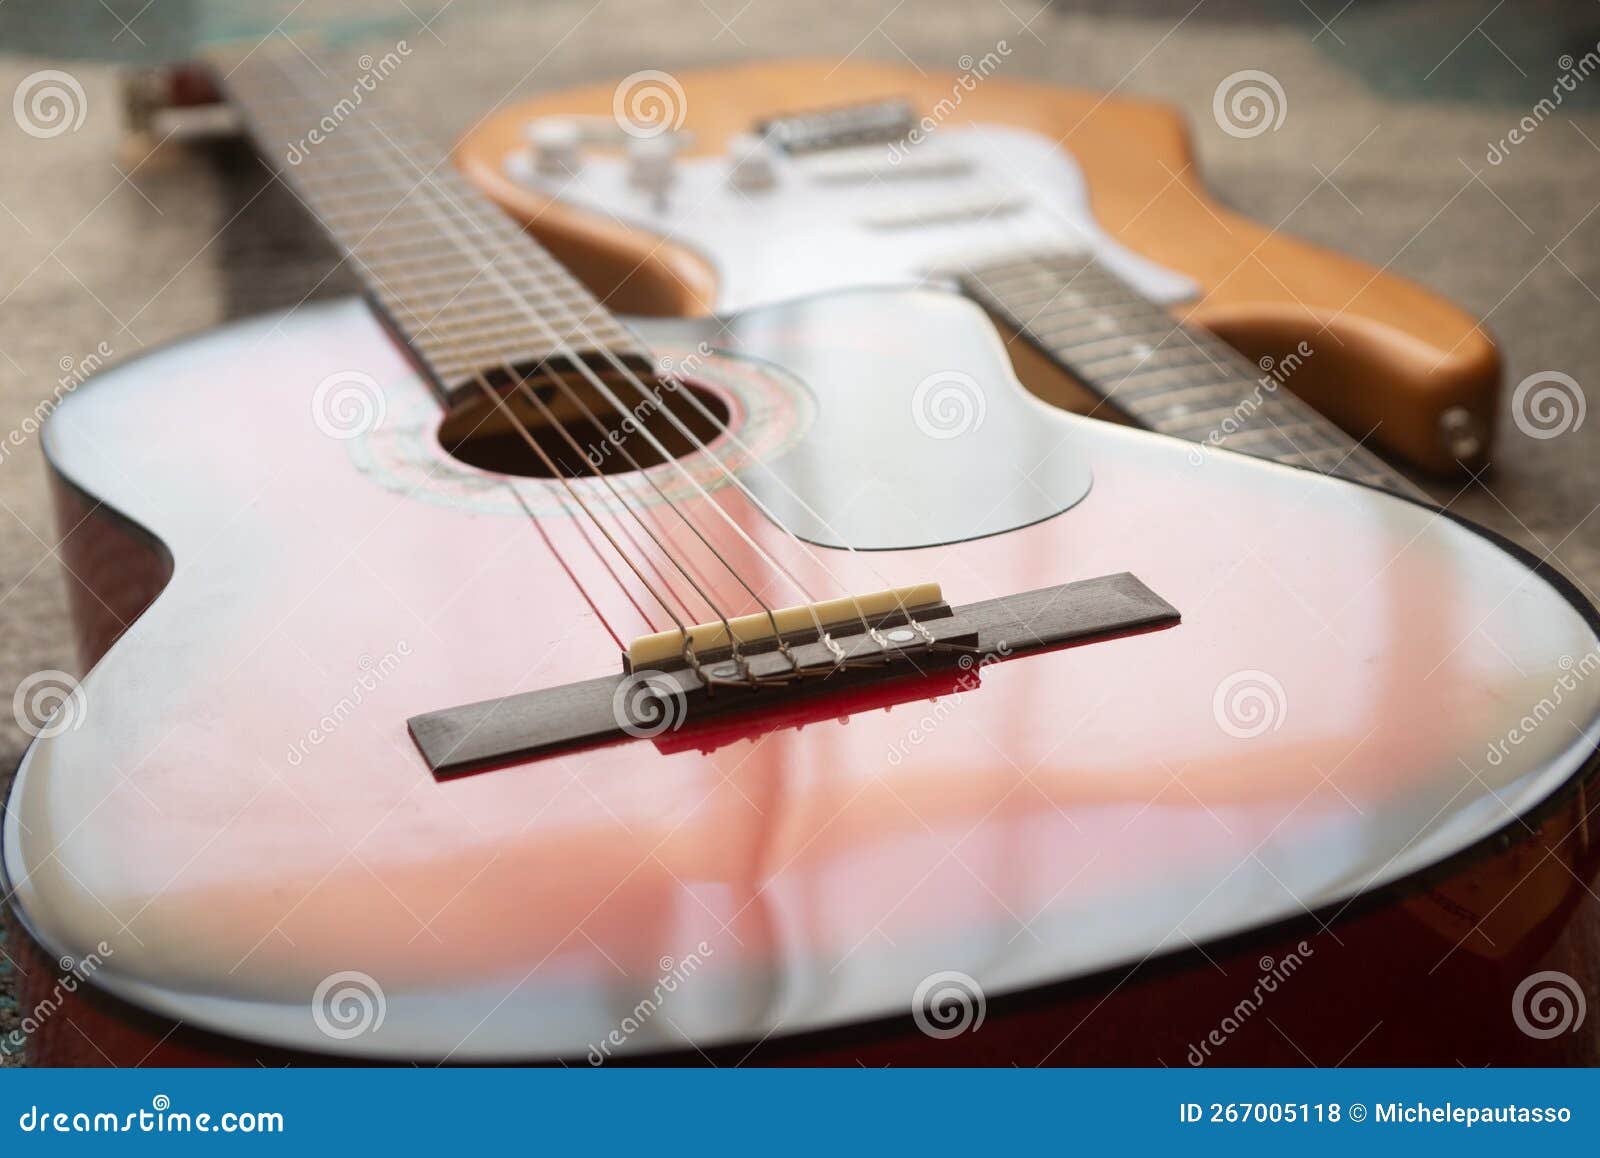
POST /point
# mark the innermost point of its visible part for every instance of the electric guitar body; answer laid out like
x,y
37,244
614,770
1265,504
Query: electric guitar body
x,y
918,170
358,771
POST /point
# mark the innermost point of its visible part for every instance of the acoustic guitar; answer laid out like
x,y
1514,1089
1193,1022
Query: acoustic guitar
x,y
478,676
1077,219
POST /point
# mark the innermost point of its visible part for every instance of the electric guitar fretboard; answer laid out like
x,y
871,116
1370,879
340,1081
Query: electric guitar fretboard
x,y
1165,376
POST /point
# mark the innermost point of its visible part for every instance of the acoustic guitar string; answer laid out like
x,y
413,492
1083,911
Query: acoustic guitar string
x,y
733,642
563,349
523,384
600,428
407,280
518,238
555,470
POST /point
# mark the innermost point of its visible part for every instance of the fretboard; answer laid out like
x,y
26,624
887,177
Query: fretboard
x,y
469,291
1165,376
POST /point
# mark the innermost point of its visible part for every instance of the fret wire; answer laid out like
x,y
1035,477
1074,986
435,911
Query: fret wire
x,y
1076,296
1092,322
471,314
1156,358
380,204
1189,388
1143,314
476,326
1201,420
1252,432
1176,377
1085,331
493,333
371,210
485,345
999,277
1184,399
455,341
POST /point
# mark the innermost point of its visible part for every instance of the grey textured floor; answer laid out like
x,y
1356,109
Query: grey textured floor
x,y
1396,101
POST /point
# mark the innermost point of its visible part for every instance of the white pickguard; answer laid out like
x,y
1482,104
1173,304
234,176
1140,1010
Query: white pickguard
x,y
849,218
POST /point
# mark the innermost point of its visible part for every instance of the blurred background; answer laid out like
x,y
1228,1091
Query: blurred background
x,y
1388,151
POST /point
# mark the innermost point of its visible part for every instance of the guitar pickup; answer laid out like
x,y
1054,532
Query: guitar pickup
x,y
865,166
839,128
897,645
946,211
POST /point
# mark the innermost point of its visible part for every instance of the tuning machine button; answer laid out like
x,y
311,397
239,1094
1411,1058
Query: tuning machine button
x,y
557,146
750,167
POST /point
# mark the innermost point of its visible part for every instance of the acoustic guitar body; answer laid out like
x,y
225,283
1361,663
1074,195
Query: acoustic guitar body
x,y
237,827
1394,361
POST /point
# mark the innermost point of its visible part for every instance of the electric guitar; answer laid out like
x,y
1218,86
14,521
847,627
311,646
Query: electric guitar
x,y
1077,220
478,676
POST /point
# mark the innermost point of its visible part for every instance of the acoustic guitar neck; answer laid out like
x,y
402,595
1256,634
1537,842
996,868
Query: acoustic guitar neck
x,y
470,292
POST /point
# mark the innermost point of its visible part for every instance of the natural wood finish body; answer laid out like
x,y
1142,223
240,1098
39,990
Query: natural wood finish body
x,y
1402,356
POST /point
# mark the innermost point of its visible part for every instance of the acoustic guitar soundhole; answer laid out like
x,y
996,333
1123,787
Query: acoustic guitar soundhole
x,y
581,428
